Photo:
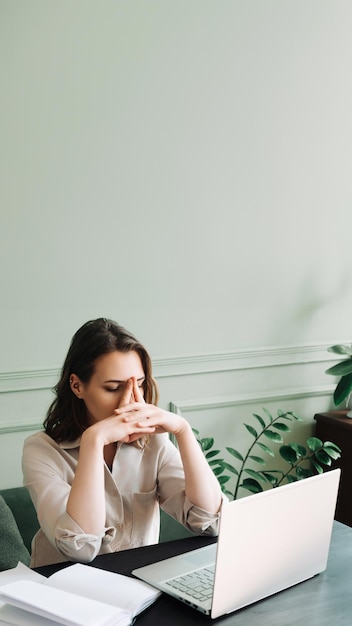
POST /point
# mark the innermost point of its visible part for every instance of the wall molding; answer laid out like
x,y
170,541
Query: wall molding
x,y
250,358
188,365
251,398
28,380
20,427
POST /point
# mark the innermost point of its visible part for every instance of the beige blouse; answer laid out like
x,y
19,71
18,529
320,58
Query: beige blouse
x,y
140,481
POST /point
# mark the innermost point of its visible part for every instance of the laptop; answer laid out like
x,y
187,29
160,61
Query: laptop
x,y
267,542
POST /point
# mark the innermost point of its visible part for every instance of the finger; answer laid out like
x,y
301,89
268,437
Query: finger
x,y
138,436
139,413
127,409
133,394
138,395
127,393
143,424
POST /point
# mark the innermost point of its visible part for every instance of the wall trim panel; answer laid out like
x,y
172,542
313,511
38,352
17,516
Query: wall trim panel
x,y
20,427
28,380
251,358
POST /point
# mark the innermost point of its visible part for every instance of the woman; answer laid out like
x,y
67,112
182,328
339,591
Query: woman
x,y
105,462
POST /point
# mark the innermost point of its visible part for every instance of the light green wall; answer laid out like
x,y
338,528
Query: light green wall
x,y
183,167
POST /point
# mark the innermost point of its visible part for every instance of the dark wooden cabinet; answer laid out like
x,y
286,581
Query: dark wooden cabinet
x,y
336,427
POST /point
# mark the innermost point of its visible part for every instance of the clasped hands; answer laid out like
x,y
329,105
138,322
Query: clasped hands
x,y
134,418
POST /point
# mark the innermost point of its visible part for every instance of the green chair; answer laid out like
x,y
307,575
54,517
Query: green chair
x,y
12,548
22,508
171,529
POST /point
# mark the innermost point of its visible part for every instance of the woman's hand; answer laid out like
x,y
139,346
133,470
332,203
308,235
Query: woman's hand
x,y
116,427
147,416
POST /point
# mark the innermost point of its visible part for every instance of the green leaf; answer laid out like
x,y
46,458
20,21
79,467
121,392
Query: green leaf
x,y
257,459
260,419
289,416
281,426
234,453
223,479
343,389
265,448
332,452
341,349
291,478
218,470
302,472
212,453
251,485
215,462
288,454
270,434
330,444
251,430
323,457
207,443
314,443
301,451
268,414
271,478
340,369
317,466
297,417
256,475
229,467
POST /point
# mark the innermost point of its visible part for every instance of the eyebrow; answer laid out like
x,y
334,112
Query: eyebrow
x,y
124,381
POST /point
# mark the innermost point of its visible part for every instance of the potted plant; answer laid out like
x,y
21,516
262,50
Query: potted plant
x,y
344,370
302,461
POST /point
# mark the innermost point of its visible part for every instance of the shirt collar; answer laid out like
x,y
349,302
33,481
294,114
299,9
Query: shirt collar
x,y
70,445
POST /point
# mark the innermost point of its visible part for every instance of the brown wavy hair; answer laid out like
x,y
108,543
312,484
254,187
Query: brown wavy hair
x,y
66,418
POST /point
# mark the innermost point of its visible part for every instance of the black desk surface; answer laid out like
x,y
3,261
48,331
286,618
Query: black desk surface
x,y
325,600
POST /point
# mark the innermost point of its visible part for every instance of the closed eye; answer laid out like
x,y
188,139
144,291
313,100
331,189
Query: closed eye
x,y
119,383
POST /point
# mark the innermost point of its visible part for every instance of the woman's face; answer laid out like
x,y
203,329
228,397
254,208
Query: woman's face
x,y
102,394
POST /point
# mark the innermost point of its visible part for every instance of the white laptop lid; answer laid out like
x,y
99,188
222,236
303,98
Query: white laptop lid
x,y
267,542
273,540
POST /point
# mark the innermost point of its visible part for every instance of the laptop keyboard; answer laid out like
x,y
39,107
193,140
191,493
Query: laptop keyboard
x,y
197,585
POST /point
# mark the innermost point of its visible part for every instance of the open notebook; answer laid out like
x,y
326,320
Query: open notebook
x,y
267,542
78,594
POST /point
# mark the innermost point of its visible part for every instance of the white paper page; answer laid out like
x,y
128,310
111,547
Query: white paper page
x,y
18,617
91,582
20,572
66,608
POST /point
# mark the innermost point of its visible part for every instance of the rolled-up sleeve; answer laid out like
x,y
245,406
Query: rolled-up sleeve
x,y
75,544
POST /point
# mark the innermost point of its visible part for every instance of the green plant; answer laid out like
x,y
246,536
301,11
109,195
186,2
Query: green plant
x,y
344,370
302,461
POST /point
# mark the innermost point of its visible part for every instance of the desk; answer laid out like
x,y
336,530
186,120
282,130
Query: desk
x,y
324,600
